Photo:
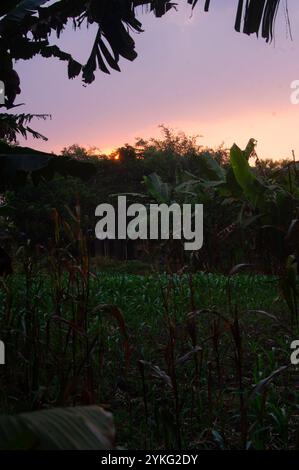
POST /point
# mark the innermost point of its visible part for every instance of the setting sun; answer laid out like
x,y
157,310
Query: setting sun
x,y
108,151
97,152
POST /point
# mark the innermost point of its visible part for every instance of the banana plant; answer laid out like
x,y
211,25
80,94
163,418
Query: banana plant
x,y
251,186
160,191
78,428
115,20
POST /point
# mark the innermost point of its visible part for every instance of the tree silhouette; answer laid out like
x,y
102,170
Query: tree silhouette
x,y
26,25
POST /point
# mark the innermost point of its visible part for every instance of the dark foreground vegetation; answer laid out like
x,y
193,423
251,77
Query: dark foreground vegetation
x,y
186,350
196,361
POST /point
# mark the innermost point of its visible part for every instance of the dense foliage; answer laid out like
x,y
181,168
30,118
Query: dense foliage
x,y
198,362
182,357
251,213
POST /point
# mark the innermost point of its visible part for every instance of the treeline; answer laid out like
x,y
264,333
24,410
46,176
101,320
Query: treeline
x,y
29,206
249,204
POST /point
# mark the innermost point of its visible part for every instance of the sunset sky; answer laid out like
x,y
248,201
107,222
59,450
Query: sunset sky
x,y
192,73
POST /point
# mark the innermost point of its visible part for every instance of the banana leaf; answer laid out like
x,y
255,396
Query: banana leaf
x,y
79,428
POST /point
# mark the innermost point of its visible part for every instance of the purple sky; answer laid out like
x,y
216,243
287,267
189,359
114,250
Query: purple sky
x,y
194,74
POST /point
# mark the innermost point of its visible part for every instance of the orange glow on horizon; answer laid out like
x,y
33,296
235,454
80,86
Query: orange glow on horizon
x,y
94,151
108,151
111,153
97,152
238,126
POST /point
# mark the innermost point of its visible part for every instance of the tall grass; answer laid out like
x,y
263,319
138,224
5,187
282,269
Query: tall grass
x,y
183,361
176,358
